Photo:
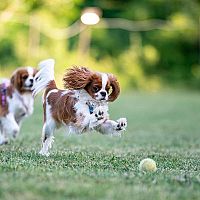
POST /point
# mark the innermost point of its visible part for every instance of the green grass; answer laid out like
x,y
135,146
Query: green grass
x,y
162,126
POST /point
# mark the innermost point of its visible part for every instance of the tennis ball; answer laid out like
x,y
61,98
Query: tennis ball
x,y
147,165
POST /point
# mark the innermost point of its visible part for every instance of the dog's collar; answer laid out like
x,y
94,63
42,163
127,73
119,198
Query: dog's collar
x,y
3,94
90,107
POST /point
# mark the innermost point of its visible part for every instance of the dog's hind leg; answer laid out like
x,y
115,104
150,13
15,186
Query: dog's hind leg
x,y
48,129
47,136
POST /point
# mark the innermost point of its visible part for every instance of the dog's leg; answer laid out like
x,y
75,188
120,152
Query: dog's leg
x,y
9,128
112,127
3,138
47,136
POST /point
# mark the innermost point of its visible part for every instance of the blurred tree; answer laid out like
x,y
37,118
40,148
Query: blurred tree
x,y
143,59
8,55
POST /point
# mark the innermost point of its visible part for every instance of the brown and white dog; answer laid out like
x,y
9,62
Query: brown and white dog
x,y
16,102
83,106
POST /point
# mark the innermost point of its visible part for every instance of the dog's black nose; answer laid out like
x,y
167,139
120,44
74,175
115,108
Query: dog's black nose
x,y
31,80
103,94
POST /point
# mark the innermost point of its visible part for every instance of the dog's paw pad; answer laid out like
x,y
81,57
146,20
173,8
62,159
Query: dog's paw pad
x,y
4,142
121,124
43,153
99,113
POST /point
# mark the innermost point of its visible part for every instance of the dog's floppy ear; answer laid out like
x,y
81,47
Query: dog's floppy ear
x,y
16,79
76,78
115,87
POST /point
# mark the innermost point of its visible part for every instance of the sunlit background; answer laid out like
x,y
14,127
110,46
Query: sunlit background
x,y
149,45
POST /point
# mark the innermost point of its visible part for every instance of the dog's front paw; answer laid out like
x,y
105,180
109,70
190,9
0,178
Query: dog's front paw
x,y
44,153
121,124
3,140
100,113
98,117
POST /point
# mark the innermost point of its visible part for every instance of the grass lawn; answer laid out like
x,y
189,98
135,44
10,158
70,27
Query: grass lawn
x,y
163,126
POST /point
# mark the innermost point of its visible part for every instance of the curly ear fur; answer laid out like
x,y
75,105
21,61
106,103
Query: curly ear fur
x,y
115,87
76,78
15,80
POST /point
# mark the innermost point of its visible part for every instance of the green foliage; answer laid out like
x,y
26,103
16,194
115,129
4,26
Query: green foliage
x,y
8,55
30,32
162,126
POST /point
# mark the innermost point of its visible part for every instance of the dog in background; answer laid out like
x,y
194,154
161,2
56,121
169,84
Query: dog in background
x,y
16,102
82,106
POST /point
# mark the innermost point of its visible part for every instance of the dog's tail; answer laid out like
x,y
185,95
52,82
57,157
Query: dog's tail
x,y
44,77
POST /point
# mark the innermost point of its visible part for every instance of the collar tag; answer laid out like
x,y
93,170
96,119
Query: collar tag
x,y
90,107
3,94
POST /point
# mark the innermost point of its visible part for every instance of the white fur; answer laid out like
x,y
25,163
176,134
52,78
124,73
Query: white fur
x,y
99,96
41,80
111,127
82,109
104,80
9,127
44,76
29,102
65,92
30,71
3,138
20,105
99,112
48,129
5,81
46,146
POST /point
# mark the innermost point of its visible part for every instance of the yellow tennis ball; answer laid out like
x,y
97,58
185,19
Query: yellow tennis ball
x,y
147,165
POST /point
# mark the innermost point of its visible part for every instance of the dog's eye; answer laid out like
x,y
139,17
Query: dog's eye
x,y
24,77
95,88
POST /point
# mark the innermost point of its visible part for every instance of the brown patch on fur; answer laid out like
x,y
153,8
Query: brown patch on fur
x,y
44,112
10,91
4,108
77,78
62,107
115,87
51,85
17,79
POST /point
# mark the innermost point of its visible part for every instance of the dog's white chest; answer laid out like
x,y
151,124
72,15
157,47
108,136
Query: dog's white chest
x,y
28,101
85,114
20,105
